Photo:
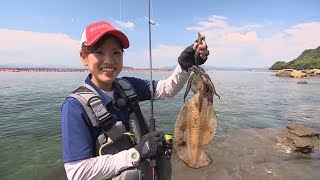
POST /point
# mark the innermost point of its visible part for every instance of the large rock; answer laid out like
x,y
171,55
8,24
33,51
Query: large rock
x,y
284,73
299,144
301,139
312,72
298,74
302,131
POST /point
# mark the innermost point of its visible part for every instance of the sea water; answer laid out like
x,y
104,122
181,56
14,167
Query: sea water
x,y
30,118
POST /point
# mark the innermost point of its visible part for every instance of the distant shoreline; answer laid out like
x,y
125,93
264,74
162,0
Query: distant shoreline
x,y
74,70
125,69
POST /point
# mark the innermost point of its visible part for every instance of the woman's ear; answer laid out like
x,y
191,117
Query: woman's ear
x,y
84,58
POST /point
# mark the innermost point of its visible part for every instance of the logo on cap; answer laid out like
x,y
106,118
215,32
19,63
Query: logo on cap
x,y
98,27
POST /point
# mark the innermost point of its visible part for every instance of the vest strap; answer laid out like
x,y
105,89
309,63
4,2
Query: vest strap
x,y
95,109
100,116
130,96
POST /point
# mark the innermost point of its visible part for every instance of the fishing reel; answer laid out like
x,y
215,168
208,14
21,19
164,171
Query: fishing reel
x,y
167,145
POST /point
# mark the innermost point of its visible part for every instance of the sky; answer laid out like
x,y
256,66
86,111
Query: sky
x,y
239,33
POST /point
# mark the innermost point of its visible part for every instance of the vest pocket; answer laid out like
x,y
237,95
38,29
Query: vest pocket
x,y
125,142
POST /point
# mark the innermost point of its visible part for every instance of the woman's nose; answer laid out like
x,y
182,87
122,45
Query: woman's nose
x,y
107,58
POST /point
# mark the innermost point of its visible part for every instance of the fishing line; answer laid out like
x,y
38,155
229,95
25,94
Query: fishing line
x,y
120,11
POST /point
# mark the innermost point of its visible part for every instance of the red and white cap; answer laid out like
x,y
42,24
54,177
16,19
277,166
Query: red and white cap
x,y
93,32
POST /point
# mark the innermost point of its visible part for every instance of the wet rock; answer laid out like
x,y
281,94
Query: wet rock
x,y
301,139
302,82
284,73
302,131
312,72
299,144
298,74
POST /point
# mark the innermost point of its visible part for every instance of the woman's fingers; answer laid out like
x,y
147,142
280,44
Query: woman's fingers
x,y
202,46
203,51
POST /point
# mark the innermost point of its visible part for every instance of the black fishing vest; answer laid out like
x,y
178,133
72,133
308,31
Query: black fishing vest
x,y
113,139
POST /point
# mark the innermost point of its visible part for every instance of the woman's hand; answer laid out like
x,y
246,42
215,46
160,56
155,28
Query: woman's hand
x,y
198,51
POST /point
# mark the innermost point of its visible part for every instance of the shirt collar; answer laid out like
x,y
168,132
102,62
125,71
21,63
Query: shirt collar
x,y
103,95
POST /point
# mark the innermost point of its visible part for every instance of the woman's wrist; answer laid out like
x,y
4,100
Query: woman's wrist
x,y
133,156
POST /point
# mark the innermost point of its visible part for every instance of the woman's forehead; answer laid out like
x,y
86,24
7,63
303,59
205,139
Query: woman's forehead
x,y
110,41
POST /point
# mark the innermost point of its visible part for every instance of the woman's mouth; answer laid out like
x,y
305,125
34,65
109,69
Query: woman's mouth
x,y
108,71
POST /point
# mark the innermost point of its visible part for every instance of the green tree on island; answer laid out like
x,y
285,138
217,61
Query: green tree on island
x,y
309,59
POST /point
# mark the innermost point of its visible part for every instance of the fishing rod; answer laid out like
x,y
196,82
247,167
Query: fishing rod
x,y
152,120
153,161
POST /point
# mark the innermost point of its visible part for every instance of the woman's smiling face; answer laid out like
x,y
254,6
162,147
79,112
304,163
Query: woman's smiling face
x,y
104,62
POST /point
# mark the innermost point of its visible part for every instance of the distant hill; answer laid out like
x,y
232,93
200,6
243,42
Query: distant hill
x,y
309,59
29,65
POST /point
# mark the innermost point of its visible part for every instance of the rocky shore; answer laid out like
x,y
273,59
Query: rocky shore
x,y
253,154
298,73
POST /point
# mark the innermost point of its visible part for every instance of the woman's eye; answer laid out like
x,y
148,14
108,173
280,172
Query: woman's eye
x,y
118,52
99,52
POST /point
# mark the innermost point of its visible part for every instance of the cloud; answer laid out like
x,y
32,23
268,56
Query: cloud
x,y
38,48
213,22
166,55
236,36
162,56
246,45
127,25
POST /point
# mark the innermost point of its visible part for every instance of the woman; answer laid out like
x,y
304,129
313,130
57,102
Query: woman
x,y
97,117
